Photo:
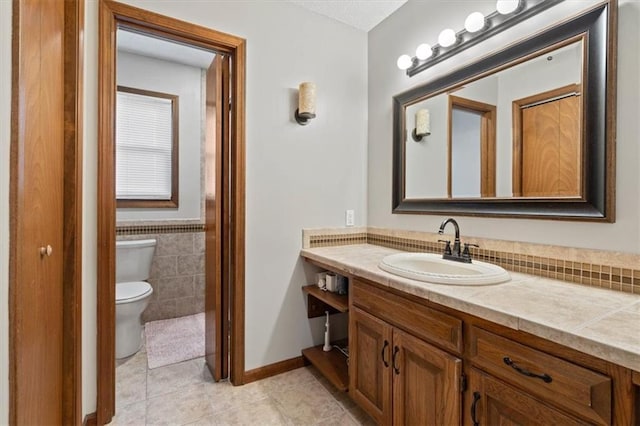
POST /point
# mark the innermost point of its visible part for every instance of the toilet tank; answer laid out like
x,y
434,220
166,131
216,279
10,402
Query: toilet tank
x,y
133,260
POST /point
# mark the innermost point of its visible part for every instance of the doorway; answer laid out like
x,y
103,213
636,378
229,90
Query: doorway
x,y
472,148
224,188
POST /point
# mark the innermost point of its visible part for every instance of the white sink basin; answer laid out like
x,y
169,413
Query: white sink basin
x,y
432,268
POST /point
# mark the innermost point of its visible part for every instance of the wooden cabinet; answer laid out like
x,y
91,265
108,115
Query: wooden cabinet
x,y
400,379
492,402
415,362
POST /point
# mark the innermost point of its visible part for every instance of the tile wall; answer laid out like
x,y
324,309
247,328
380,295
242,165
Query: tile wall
x,y
177,271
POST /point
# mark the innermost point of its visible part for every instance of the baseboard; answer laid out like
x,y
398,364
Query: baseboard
x,y
90,419
273,369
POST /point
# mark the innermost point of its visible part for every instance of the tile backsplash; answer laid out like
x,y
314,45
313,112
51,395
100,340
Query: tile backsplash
x,y
177,270
597,268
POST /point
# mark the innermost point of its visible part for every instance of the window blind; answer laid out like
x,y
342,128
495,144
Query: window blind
x,y
144,141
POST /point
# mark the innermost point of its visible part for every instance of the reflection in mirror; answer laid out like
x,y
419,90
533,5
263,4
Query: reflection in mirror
x,y
528,131
515,133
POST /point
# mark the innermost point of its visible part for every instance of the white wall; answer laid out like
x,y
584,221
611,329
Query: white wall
x,y
418,22
296,176
465,153
5,134
426,161
143,72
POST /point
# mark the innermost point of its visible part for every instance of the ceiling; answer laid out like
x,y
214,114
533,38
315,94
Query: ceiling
x,y
154,47
361,14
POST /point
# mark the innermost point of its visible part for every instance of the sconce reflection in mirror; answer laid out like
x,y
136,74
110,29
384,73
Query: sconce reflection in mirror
x,y
477,28
423,125
306,103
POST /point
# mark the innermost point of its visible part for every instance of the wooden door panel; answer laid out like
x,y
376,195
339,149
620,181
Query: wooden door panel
x,y
37,213
569,144
215,324
426,383
540,150
370,364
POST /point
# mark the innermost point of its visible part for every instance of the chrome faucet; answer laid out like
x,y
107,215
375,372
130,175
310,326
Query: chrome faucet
x,y
455,253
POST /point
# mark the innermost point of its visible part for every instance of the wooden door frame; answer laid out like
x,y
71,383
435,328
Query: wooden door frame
x,y
487,143
112,13
72,206
516,129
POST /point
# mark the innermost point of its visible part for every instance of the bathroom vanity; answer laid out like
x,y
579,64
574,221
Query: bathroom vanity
x,y
530,351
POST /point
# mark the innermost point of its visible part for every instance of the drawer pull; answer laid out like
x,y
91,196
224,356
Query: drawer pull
x,y
395,354
544,377
384,347
474,406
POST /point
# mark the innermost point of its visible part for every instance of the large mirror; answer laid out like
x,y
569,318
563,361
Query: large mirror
x,y
528,131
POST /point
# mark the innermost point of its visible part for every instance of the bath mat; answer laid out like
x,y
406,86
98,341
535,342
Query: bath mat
x,y
174,340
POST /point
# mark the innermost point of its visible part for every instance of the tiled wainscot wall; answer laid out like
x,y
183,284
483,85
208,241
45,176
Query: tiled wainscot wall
x,y
177,271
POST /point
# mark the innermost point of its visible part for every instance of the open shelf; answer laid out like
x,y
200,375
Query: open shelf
x,y
320,301
333,365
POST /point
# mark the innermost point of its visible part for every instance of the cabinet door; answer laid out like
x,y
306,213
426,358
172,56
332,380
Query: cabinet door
x,y
370,364
492,402
37,194
426,383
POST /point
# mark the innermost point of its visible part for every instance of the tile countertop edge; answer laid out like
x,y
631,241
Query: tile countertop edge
x,y
608,351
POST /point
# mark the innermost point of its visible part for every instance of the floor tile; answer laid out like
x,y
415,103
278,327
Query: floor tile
x,y
167,379
183,406
307,403
263,412
132,414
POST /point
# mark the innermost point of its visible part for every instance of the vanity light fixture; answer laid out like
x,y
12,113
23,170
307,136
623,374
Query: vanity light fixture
x,y
477,28
423,125
306,103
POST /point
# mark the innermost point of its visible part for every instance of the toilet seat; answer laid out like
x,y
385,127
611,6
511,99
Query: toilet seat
x,y
132,291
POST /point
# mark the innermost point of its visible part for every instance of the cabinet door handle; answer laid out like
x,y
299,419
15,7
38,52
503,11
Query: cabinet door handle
x,y
544,377
393,360
474,407
384,349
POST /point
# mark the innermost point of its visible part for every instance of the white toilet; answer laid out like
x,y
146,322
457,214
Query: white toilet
x,y
133,264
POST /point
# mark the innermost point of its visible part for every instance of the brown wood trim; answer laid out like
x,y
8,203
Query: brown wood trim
x,y
487,143
90,420
273,369
516,127
238,212
635,378
13,206
111,15
105,407
72,267
173,202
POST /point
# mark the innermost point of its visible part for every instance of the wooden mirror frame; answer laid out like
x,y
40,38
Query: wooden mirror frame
x,y
597,27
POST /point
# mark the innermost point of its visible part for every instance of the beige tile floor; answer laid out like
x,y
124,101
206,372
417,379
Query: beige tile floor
x,y
185,394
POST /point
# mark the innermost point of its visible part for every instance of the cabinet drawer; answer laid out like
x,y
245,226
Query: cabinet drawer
x,y
580,390
428,324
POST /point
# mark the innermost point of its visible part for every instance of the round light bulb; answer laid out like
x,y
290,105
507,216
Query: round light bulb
x,y
447,38
424,51
505,7
474,22
404,62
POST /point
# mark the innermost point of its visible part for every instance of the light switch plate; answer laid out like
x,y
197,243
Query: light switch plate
x,y
349,218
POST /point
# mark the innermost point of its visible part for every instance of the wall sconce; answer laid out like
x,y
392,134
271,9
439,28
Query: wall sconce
x,y
306,103
423,125
477,28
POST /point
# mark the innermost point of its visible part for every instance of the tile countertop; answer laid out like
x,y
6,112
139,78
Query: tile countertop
x,y
598,322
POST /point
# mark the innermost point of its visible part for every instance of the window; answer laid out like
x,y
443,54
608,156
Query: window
x,y
146,149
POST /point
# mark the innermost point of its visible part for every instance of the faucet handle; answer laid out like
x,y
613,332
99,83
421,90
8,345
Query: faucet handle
x,y
447,247
466,251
